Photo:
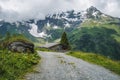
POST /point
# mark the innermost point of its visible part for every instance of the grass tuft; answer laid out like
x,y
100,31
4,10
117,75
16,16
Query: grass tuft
x,y
99,60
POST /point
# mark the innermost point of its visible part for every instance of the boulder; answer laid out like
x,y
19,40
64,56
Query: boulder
x,y
20,46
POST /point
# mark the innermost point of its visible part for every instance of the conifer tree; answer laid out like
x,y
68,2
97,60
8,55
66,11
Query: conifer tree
x,y
64,41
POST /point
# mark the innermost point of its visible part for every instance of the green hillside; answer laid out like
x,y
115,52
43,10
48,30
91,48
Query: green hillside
x,y
98,37
109,24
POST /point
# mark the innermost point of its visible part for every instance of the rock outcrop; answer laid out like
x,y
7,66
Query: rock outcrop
x,y
20,46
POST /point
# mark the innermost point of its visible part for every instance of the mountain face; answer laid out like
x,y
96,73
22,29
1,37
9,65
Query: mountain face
x,y
89,30
52,22
43,28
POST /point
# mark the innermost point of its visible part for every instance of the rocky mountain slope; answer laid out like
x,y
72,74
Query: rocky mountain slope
x,y
48,27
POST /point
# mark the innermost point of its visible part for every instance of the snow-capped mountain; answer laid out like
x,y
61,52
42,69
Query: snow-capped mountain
x,y
53,24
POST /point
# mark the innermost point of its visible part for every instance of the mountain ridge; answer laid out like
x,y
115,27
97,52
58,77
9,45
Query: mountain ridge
x,y
56,21
89,30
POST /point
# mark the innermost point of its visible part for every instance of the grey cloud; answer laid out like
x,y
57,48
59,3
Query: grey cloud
x,y
12,10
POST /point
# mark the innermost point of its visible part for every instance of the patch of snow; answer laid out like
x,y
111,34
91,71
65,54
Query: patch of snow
x,y
1,25
55,27
33,31
104,15
83,14
75,12
48,24
35,21
1,19
66,14
67,25
70,19
64,17
17,24
95,13
23,23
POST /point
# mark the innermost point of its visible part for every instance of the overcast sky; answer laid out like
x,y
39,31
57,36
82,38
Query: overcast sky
x,y
12,10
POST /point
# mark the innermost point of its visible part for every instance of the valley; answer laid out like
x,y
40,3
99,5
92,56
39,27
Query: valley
x,y
91,38
102,31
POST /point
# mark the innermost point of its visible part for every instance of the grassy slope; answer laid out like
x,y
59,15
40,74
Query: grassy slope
x,y
99,60
93,23
14,65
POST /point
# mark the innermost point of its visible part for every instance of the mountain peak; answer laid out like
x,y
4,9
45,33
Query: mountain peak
x,y
92,9
93,12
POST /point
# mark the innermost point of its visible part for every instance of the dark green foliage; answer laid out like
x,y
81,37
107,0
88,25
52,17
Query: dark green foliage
x,y
64,41
97,40
14,65
1,38
7,36
55,33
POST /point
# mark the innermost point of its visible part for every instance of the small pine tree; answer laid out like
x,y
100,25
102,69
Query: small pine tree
x,y
64,41
8,35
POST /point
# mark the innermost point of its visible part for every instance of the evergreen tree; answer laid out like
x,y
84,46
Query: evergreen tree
x,y
64,41
8,35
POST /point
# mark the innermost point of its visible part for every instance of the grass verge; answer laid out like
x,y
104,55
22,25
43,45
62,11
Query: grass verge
x,y
13,66
44,49
113,66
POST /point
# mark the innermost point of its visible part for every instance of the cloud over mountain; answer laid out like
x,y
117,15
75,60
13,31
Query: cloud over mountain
x,y
12,10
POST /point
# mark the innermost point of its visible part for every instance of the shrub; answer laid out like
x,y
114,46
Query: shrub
x,y
15,65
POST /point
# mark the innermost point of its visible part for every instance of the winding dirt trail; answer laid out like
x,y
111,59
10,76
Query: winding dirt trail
x,y
58,66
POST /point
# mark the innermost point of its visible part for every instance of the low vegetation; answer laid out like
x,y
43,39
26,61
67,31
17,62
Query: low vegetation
x,y
15,65
11,38
99,60
44,49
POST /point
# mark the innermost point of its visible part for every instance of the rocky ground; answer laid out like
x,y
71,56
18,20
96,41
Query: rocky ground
x,y
59,66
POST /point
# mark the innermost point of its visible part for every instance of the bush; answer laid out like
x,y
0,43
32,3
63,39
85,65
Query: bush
x,y
15,65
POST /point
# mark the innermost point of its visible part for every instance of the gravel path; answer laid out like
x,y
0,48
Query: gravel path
x,y
58,66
